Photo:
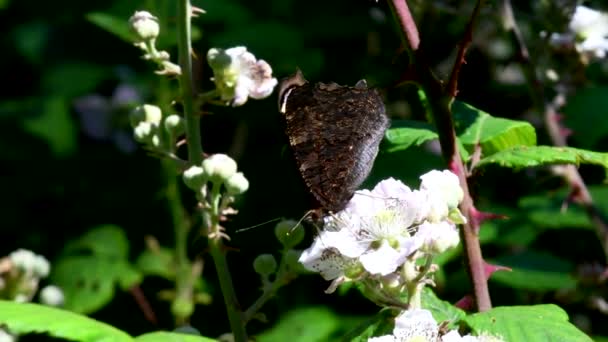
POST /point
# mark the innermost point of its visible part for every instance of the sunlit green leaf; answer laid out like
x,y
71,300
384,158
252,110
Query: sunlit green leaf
x,y
539,323
475,127
529,156
405,133
441,310
23,318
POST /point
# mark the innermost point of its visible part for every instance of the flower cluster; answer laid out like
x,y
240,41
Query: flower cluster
x,y
20,274
588,31
381,233
147,121
419,325
218,169
145,29
238,75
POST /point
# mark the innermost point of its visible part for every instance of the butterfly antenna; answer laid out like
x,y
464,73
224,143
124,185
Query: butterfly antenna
x,y
308,213
257,225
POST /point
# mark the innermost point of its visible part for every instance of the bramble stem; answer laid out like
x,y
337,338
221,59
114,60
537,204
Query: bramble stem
x,y
440,100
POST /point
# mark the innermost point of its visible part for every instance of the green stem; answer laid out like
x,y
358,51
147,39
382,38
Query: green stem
x,y
193,134
216,247
183,278
195,156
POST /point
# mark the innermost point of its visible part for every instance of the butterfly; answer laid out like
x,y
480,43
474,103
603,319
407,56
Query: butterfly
x,y
334,133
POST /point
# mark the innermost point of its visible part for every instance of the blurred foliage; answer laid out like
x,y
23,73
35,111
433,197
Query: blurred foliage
x,y
66,177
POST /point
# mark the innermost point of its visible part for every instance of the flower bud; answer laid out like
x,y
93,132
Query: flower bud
x,y
143,132
174,124
289,232
265,265
52,295
219,167
219,60
443,184
182,307
144,25
146,113
194,177
236,184
27,261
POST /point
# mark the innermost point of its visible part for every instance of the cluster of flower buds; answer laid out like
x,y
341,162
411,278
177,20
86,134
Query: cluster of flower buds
x,y
20,275
147,122
238,75
381,234
219,169
145,28
588,32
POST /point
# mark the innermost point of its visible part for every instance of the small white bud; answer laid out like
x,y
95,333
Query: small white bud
x,y
145,113
143,132
28,261
219,167
194,177
444,184
22,259
52,295
236,184
174,124
144,25
42,267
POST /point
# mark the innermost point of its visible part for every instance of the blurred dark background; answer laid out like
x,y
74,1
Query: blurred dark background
x,y
68,163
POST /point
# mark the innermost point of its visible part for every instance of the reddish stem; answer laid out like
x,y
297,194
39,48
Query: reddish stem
x,y
440,106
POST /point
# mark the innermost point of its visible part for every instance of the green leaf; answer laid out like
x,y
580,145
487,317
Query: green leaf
x,y
158,263
405,133
107,241
537,323
380,324
441,310
74,78
548,211
535,271
303,325
92,285
23,318
55,126
476,127
30,39
529,156
586,113
87,289
118,26
162,336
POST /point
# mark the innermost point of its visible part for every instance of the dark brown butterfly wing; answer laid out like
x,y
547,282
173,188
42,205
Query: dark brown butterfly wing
x,y
334,132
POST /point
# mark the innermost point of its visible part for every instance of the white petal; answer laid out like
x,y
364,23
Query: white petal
x,y
391,187
452,336
381,261
345,242
328,263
